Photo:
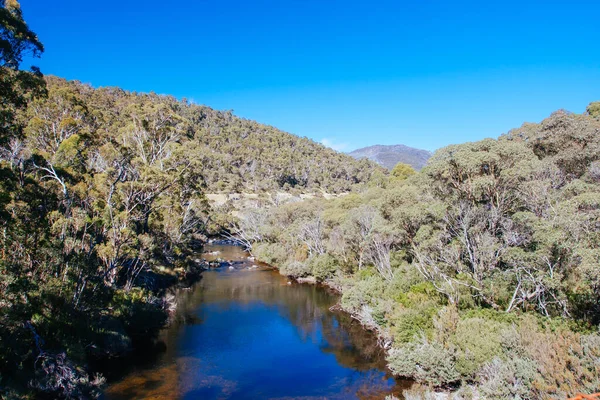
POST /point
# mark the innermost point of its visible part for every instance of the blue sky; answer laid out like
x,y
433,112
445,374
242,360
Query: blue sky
x,y
346,73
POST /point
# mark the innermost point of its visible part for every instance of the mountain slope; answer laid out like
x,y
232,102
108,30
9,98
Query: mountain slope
x,y
389,156
236,154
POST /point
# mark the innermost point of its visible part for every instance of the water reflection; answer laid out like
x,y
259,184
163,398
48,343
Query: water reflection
x,y
246,333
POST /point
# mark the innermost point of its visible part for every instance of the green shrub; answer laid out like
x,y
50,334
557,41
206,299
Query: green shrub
x,y
405,277
402,171
418,294
477,341
323,266
271,253
352,299
365,273
139,311
295,269
593,109
445,324
424,362
491,314
506,379
367,290
409,323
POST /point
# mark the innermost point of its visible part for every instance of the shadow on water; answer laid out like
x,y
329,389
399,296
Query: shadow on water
x,y
245,333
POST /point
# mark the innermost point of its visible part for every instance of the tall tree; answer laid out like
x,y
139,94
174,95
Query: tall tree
x,y
16,86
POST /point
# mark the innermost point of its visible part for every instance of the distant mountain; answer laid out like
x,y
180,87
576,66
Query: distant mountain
x,y
389,156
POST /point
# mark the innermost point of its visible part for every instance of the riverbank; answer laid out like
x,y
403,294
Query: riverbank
x,y
364,316
147,310
212,258
244,332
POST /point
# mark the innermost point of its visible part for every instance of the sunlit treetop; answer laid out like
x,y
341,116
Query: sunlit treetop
x,y
16,39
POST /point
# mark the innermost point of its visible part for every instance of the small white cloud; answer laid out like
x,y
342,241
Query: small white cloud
x,y
331,143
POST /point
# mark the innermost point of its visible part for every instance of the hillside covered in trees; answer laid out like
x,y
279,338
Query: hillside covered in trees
x,y
232,154
481,273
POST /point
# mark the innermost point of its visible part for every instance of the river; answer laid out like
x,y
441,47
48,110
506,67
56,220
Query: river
x,y
245,332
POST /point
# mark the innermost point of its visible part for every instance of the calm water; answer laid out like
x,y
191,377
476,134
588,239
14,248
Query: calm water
x,y
248,334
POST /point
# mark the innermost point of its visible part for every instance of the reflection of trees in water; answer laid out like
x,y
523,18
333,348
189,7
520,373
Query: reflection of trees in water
x,y
170,382
157,383
306,306
352,346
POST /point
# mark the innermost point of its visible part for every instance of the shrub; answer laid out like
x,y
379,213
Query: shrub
x,y
323,266
477,341
424,362
445,324
402,171
365,273
418,294
424,392
295,269
492,315
273,254
405,277
57,377
409,323
507,378
366,291
593,109
352,299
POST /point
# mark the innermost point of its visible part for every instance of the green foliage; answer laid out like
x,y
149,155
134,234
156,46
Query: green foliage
x,y
491,315
402,171
477,341
453,262
593,109
295,269
482,268
102,199
506,379
366,291
16,86
323,266
410,323
271,253
425,362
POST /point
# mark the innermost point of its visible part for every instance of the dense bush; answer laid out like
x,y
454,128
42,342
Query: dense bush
x,y
507,378
476,341
295,269
593,109
271,253
323,266
425,362
452,264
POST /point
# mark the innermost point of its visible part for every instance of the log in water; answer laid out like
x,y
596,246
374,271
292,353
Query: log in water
x,y
246,333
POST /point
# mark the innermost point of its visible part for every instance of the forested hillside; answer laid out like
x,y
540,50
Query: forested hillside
x,y
481,273
232,154
97,218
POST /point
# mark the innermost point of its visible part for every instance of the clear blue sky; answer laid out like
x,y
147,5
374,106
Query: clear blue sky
x,y
351,73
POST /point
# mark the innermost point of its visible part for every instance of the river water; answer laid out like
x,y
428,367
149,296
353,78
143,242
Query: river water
x,y
247,333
